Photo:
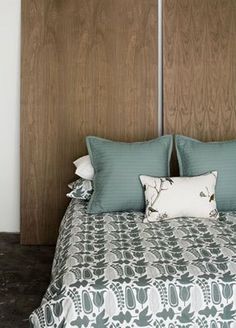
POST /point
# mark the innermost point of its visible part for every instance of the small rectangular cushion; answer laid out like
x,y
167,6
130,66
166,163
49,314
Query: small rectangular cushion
x,y
168,198
80,189
117,166
196,157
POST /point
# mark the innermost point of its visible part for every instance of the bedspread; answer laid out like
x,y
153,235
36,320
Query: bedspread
x,y
113,270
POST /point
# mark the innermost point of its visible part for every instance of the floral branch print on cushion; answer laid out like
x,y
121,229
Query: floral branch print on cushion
x,y
167,198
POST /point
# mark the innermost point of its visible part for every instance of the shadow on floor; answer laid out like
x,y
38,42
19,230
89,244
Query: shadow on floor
x,y
24,277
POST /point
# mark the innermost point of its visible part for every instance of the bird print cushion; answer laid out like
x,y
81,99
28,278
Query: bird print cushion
x,y
168,198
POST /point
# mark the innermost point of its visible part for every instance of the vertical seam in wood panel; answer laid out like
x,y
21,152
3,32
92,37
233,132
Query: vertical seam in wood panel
x,y
160,113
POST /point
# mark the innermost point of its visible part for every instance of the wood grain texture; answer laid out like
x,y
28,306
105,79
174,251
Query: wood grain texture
x,y
89,67
200,68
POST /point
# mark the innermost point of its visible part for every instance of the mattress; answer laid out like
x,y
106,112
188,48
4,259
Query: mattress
x,y
113,270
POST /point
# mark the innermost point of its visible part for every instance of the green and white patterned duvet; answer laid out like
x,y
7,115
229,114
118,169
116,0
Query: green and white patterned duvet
x,y
113,270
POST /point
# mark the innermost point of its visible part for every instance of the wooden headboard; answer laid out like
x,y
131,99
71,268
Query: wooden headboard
x,y
199,72
199,69
89,67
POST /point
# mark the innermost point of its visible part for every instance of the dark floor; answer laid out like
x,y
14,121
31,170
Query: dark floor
x,y
24,277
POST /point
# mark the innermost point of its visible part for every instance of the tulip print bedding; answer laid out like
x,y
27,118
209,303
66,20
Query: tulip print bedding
x,y
114,270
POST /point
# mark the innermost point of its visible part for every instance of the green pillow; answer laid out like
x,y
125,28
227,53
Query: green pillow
x,y
117,166
196,157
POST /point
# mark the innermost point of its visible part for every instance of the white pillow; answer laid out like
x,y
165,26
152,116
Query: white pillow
x,y
84,168
168,198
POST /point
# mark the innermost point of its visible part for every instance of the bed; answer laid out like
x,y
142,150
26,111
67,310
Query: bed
x,y
113,270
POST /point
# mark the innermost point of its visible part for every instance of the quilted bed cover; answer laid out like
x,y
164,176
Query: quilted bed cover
x,y
113,270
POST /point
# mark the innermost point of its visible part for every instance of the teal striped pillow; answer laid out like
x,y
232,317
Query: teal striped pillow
x,y
117,167
196,157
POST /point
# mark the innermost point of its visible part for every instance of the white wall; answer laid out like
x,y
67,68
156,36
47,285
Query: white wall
x,y
9,115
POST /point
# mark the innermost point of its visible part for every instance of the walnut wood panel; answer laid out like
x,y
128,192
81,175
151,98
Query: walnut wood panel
x,y
89,67
200,68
